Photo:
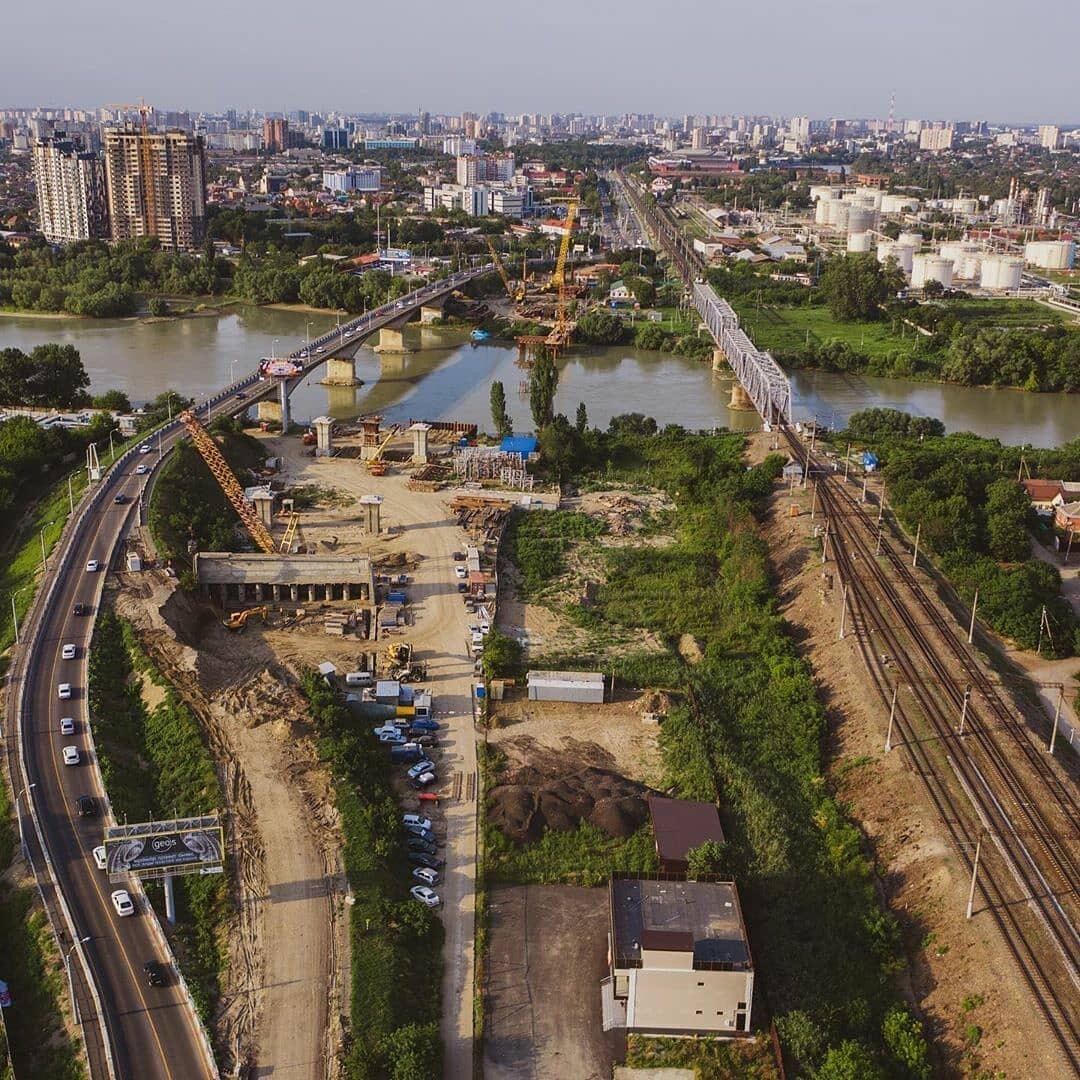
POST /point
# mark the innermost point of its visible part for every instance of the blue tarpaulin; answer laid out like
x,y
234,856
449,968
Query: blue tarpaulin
x,y
523,445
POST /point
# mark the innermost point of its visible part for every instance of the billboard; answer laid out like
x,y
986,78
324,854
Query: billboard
x,y
158,848
272,367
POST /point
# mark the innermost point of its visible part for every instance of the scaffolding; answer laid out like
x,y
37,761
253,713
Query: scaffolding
x,y
486,463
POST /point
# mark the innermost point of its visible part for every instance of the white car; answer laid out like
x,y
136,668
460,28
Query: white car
x,y
99,856
419,768
146,448
461,572
142,470
417,820
71,755
67,726
67,652
92,566
64,691
426,875
121,900
425,895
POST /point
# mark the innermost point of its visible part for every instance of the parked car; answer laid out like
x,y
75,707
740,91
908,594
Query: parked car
x,y
418,843
99,857
423,834
458,556
461,572
67,725
416,819
63,691
92,566
392,738
426,875
68,652
121,900
425,895
155,973
424,780
86,805
424,738
71,755
424,723
420,767
422,858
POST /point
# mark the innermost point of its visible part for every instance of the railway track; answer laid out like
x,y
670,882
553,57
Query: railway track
x,y
1023,847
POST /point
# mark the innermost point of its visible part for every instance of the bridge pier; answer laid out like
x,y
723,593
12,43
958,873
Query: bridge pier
x,y
719,360
269,411
340,371
392,341
371,513
740,399
430,312
283,395
420,438
324,446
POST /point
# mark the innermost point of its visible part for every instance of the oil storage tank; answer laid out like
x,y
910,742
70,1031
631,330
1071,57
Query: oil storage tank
x,y
929,267
1001,272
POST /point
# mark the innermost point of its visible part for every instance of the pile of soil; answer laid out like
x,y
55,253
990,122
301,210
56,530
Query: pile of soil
x,y
532,800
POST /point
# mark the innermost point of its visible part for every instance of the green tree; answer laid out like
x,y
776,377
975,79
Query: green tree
x,y
499,417
707,858
502,655
581,420
158,306
600,327
543,382
644,291
1007,509
412,1052
802,1039
651,336
114,400
855,286
849,1061
904,1037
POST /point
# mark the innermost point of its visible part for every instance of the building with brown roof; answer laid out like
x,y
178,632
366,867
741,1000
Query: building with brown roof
x,y
679,826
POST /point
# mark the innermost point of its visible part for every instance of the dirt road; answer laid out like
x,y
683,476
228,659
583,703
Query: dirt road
x,y
419,524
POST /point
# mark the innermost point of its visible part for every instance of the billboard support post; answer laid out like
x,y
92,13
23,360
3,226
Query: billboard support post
x,y
170,900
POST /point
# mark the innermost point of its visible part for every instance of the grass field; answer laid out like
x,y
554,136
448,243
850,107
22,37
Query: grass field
x,y
1013,314
792,329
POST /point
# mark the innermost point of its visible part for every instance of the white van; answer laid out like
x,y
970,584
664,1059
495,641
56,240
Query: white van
x,y
359,678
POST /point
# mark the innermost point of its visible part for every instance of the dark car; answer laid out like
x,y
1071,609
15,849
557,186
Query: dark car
x,y
86,806
120,500
81,609
155,973
424,724
462,586
459,556
420,858
426,846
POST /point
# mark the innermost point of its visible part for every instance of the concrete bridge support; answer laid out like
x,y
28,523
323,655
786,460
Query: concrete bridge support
x,y
283,396
740,399
719,360
419,441
268,411
263,500
391,341
324,444
432,311
341,371
371,505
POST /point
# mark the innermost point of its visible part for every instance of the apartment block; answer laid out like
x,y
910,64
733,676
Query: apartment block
x,y
365,178
935,139
275,134
70,185
156,186
480,168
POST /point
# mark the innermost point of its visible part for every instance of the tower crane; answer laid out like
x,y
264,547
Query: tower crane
x,y
219,468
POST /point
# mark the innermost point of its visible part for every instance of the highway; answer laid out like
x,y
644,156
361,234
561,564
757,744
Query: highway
x,y
138,1031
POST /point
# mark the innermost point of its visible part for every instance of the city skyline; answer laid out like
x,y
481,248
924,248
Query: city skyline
x,y
833,60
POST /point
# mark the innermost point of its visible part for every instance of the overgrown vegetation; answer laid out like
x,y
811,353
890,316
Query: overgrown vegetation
x,y
536,541
155,764
710,1059
396,942
746,730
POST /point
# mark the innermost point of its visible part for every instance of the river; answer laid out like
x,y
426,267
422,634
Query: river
x,y
449,378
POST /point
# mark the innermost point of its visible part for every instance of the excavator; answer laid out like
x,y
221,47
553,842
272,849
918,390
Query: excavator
x,y
376,464
400,664
516,294
239,619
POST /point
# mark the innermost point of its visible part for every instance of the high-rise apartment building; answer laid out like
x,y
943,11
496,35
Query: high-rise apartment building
x,y
1050,137
276,134
70,186
478,168
156,186
936,139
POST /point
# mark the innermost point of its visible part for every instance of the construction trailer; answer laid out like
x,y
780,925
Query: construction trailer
x,y
583,687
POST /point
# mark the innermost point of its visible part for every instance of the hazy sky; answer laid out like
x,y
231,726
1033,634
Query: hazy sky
x,y
964,59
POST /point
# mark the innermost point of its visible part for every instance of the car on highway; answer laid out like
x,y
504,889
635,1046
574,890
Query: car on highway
x,y
67,725
155,973
92,566
86,805
63,691
417,820
67,652
461,572
119,499
145,448
426,896
424,780
71,755
80,609
121,901
426,875
142,470
240,395
99,857
423,858
420,767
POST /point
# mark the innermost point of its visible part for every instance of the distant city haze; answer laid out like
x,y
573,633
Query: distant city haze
x,y
966,59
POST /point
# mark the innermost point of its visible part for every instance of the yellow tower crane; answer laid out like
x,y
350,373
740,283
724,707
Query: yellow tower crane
x,y
221,472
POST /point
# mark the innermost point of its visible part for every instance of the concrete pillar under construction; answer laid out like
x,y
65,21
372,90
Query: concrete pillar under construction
x,y
328,592
275,592
259,588
262,498
340,371
740,399
323,426
294,592
419,440
371,505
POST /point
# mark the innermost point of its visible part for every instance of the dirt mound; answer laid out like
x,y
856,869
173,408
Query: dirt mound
x,y
264,697
533,800
189,618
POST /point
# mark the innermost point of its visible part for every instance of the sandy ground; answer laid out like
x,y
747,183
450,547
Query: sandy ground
x,y
953,961
418,527
545,961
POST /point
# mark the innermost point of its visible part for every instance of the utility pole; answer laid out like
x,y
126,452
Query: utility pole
x,y
813,502
1043,626
847,461
918,534
971,627
1057,714
865,477
964,709
974,875
843,610
892,717
825,545
71,497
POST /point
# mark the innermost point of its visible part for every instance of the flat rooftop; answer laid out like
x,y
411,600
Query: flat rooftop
x,y
566,678
682,916
243,568
681,825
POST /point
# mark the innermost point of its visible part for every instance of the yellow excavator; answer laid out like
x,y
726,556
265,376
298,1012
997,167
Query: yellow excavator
x,y
376,464
239,619
517,294
400,664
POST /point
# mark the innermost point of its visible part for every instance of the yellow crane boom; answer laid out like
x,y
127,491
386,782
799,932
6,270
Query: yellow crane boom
x,y
221,472
558,279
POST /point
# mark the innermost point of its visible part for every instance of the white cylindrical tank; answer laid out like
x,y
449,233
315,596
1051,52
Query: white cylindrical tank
x,y
824,191
965,206
1001,272
928,267
965,256
912,239
821,211
860,218
1051,254
897,204
859,242
893,249
836,213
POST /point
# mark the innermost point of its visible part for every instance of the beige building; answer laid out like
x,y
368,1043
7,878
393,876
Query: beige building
x,y
156,184
70,185
679,959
